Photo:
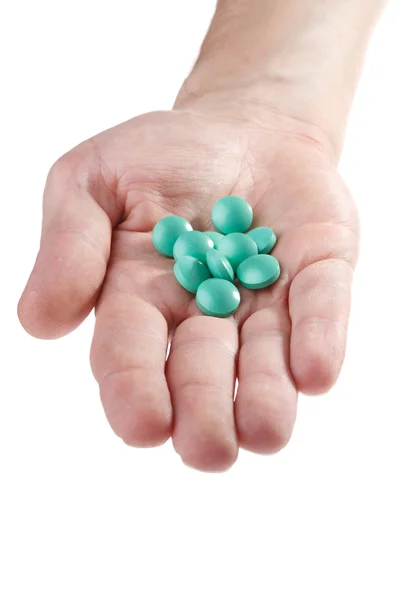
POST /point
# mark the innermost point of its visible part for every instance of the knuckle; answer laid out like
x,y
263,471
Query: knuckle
x,y
63,167
71,165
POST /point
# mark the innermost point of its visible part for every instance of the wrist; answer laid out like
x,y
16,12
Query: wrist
x,y
267,105
297,60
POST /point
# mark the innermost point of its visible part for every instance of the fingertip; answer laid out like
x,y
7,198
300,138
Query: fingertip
x,y
62,288
34,322
317,355
43,317
210,456
140,415
145,431
314,373
264,440
265,425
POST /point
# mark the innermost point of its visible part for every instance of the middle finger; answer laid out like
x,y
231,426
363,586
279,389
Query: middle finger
x,y
201,376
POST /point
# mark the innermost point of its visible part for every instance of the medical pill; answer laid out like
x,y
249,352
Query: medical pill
x,y
215,236
258,271
232,214
218,298
219,266
190,273
167,231
236,247
193,243
264,237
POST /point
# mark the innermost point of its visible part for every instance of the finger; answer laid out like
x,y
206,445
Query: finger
x,y
72,258
128,361
201,377
319,303
266,403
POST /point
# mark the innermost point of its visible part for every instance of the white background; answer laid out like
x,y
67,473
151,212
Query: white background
x,y
84,517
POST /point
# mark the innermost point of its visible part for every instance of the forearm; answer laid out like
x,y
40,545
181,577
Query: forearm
x,y
299,58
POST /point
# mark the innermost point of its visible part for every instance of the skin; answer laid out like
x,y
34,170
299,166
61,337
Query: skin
x,y
227,134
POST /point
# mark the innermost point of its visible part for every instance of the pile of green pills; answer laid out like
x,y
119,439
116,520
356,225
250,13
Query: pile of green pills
x,y
208,263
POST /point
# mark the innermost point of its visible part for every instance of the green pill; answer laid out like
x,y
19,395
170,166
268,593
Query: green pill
x,y
190,273
219,266
167,231
215,236
232,214
193,243
236,247
218,298
264,237
258,271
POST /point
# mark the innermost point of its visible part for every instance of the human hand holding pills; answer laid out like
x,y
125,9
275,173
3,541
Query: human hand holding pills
x,y
97,250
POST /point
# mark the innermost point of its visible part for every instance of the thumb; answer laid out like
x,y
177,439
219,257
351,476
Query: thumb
x,y
73,255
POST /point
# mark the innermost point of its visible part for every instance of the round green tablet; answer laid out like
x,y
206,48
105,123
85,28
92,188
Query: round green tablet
x,y
219,266
218,298
193,243
215,236
190,273
258,271
232,214
264,237
167,231
237,247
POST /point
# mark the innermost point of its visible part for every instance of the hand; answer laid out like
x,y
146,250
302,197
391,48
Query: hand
x,y
101,202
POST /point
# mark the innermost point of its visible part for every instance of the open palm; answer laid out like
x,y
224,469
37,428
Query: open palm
x,y
101,202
